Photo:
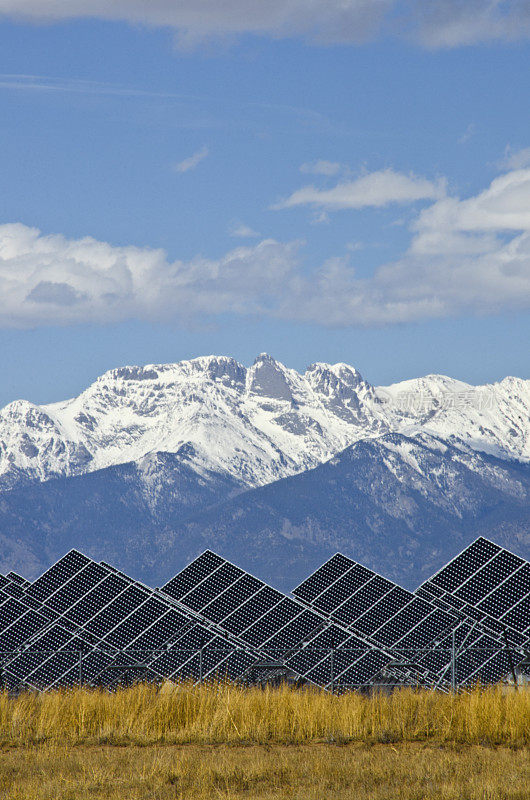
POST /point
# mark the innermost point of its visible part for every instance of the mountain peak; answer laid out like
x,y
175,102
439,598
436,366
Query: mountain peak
x,y
268,378
253,424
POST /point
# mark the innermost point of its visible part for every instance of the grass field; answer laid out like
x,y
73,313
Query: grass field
x,y
227,742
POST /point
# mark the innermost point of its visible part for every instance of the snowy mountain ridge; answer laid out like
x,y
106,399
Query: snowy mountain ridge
x,y
256,424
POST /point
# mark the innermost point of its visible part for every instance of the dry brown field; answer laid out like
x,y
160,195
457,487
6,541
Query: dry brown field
x,y
221,741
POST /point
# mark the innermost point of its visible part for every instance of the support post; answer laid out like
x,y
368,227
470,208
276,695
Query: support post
x,y
510,659
80,668
453,661
332,668
200,664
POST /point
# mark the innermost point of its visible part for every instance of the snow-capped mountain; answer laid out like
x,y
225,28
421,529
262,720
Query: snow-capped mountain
x,y
494,418
253,425
402,504
256,425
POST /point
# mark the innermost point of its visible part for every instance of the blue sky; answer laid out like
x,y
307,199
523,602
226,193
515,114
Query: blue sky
x,y
343,187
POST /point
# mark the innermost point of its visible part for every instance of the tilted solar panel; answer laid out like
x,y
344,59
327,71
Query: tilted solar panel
x,y
409,623
94,618
279,625
367,603
16,578
489,585
89,622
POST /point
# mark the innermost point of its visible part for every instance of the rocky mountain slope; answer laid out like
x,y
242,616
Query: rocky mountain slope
x,y
402,504
256,425
277,470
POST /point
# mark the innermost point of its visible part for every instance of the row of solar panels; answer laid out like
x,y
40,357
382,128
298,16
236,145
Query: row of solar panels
x,y
344,627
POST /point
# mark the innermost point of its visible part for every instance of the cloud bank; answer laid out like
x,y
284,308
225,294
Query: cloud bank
x,y
47,280
434,23
376,189
466,256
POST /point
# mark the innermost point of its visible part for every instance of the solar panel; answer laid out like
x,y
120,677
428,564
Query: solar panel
x,y
16,578
345,626
412,624
488,584
269,620
369,604
95,616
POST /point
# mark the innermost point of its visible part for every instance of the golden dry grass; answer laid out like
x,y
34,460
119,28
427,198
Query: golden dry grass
x,y
234,743
263,772
225,713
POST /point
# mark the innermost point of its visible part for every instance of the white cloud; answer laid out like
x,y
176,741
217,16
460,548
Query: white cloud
x,y
434,23
468,134
241,231
466,256
321,168
320,218
376,189
515,159
453,23
324,20
54,280
191,162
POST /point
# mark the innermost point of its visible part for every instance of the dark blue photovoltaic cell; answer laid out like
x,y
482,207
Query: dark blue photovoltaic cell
x,y
212,586
21,629
13,589
508,593
14,576
229,600
519,616
10,610
271,622
383,610
323,577
343,588
159,632
65,568
464,565
76,587
493,595
96,599
136,623
111,616
297,631
195,572
25,665
400,625
364,669
252,610
476,588
363,599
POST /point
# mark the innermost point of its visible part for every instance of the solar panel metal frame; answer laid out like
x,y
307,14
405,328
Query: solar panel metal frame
x,y
81,636
320,585
359,644
494,626
327,576
313,645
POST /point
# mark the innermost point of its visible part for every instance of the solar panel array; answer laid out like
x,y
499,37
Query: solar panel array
x,y
83,619
280,626
345,626
424,626
487,584
488,587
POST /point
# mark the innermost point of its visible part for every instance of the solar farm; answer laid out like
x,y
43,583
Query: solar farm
x,y
344,628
